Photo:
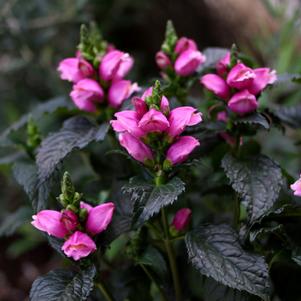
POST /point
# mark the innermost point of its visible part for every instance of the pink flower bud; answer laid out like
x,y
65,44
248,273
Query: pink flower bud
x,y
99,218
243,103
223,65
216,84
50,221
127,121
79,245
120,91
136,148
263,77
181,219
296,187
153,121
162,60
188,62
69,220
86,206
115,65
86,93
184,44
181,117
140,106
222,116
164,106
181,149
75,69
240,77
148,92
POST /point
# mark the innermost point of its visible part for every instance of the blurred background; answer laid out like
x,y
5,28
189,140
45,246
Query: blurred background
x,y
36,34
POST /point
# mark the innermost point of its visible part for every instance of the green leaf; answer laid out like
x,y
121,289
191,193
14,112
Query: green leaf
x,y
13,221
63,285
257,180
215,251
153,258
254,119
148,198
76,133
291,116
214,291
25,173
44,108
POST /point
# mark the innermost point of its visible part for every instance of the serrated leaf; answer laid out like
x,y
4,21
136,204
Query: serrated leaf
x,y
257,180
213,55
214,291
13,221
291,116
76,133
43,108
25,173
254,119
63,285
215,251
149,198
153,258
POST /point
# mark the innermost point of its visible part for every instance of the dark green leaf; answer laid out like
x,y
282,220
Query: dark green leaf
x,y
153,258
215,251
63,285
149,198
76,133
257,180
43,108
56,244
291,116
254,119
214,291
13,221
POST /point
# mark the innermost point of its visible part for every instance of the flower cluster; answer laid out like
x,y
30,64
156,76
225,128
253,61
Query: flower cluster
x,y
93,85
151,133
184,59
76,229
239,85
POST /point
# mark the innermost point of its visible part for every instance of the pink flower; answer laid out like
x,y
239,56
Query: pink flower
x,y
136,148
69,220
153,121
181,117
240,77
115,65
50,221
243,103
181,219
184,44
140,106
99,218
127,121
188,62
164,105
86,93
216,84
162,60
75,69
120,91
148,92
263,77
181,149
223,65
296,187
79,245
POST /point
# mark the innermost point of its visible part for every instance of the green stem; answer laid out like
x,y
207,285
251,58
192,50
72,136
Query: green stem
x,y
149,275
104,291
171,257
